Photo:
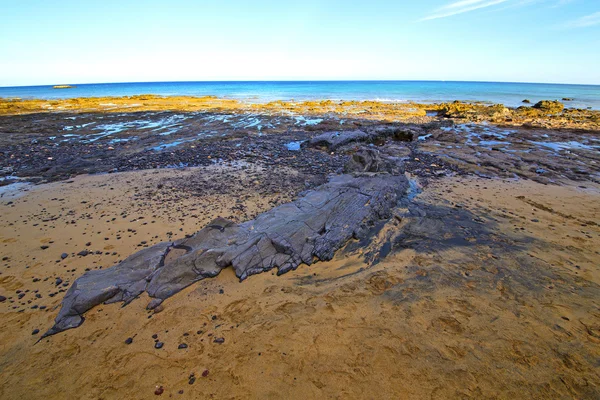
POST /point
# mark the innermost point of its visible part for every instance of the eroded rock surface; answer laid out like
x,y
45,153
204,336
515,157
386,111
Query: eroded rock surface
x,y
336,139
311,228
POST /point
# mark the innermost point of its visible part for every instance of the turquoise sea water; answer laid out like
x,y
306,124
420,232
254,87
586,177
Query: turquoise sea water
x,y
510,94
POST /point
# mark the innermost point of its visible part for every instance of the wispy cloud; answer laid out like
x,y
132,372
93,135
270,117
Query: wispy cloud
x,y
460,7
463,6
561,3
584,22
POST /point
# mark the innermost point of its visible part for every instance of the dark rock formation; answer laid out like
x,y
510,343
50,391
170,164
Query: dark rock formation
x,y
332,141
311,228
371,160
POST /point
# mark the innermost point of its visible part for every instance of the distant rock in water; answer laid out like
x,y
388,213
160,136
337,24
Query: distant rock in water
x,y
567,99
63,87
526,101
549,106
311,228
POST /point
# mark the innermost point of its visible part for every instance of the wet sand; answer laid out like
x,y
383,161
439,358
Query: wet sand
x,y
489,289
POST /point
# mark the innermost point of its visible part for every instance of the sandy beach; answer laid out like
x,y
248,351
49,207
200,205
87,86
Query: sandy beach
x,y
484,284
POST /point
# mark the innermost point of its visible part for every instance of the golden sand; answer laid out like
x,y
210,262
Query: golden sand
x,y
400,329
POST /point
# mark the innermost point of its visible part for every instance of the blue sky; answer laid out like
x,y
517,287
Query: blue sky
x,y
64,41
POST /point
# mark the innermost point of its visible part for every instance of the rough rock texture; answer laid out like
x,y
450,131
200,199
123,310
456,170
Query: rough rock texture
x,y
313,227
371,160
473,111
549,106
334,140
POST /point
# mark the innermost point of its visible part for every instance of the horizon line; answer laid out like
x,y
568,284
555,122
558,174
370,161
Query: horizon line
x,y
303,81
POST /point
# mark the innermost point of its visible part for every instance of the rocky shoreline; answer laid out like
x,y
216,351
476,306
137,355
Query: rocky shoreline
x,y
457,254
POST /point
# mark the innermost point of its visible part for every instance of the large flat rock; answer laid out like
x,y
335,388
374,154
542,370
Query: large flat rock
x,y
310,229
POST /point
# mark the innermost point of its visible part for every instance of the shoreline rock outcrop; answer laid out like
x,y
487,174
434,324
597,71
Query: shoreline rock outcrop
x,y
311,228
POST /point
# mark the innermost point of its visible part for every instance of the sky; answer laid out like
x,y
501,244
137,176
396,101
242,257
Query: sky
x,y
75,41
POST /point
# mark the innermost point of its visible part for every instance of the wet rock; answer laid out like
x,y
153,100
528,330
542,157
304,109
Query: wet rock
x,y
311,228
372,160
333,140
526,101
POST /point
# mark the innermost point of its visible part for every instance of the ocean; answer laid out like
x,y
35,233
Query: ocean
x,y
509,94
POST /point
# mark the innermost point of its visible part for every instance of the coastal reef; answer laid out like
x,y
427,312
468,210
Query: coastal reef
x,y
432,251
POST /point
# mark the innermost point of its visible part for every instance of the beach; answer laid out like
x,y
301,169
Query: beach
x,y
481,281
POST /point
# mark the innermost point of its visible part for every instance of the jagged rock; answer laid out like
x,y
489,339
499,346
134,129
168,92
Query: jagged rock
x,y
332,141
549,106
404,133
475,112
371,160
311,228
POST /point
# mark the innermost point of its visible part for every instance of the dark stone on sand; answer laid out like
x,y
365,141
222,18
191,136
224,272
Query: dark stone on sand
x,y
44,247
159,391
2,299
35,332
64,255
182,346
58,281
191,379
83,253
205,373
310,229
219,340
129,340
158,345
